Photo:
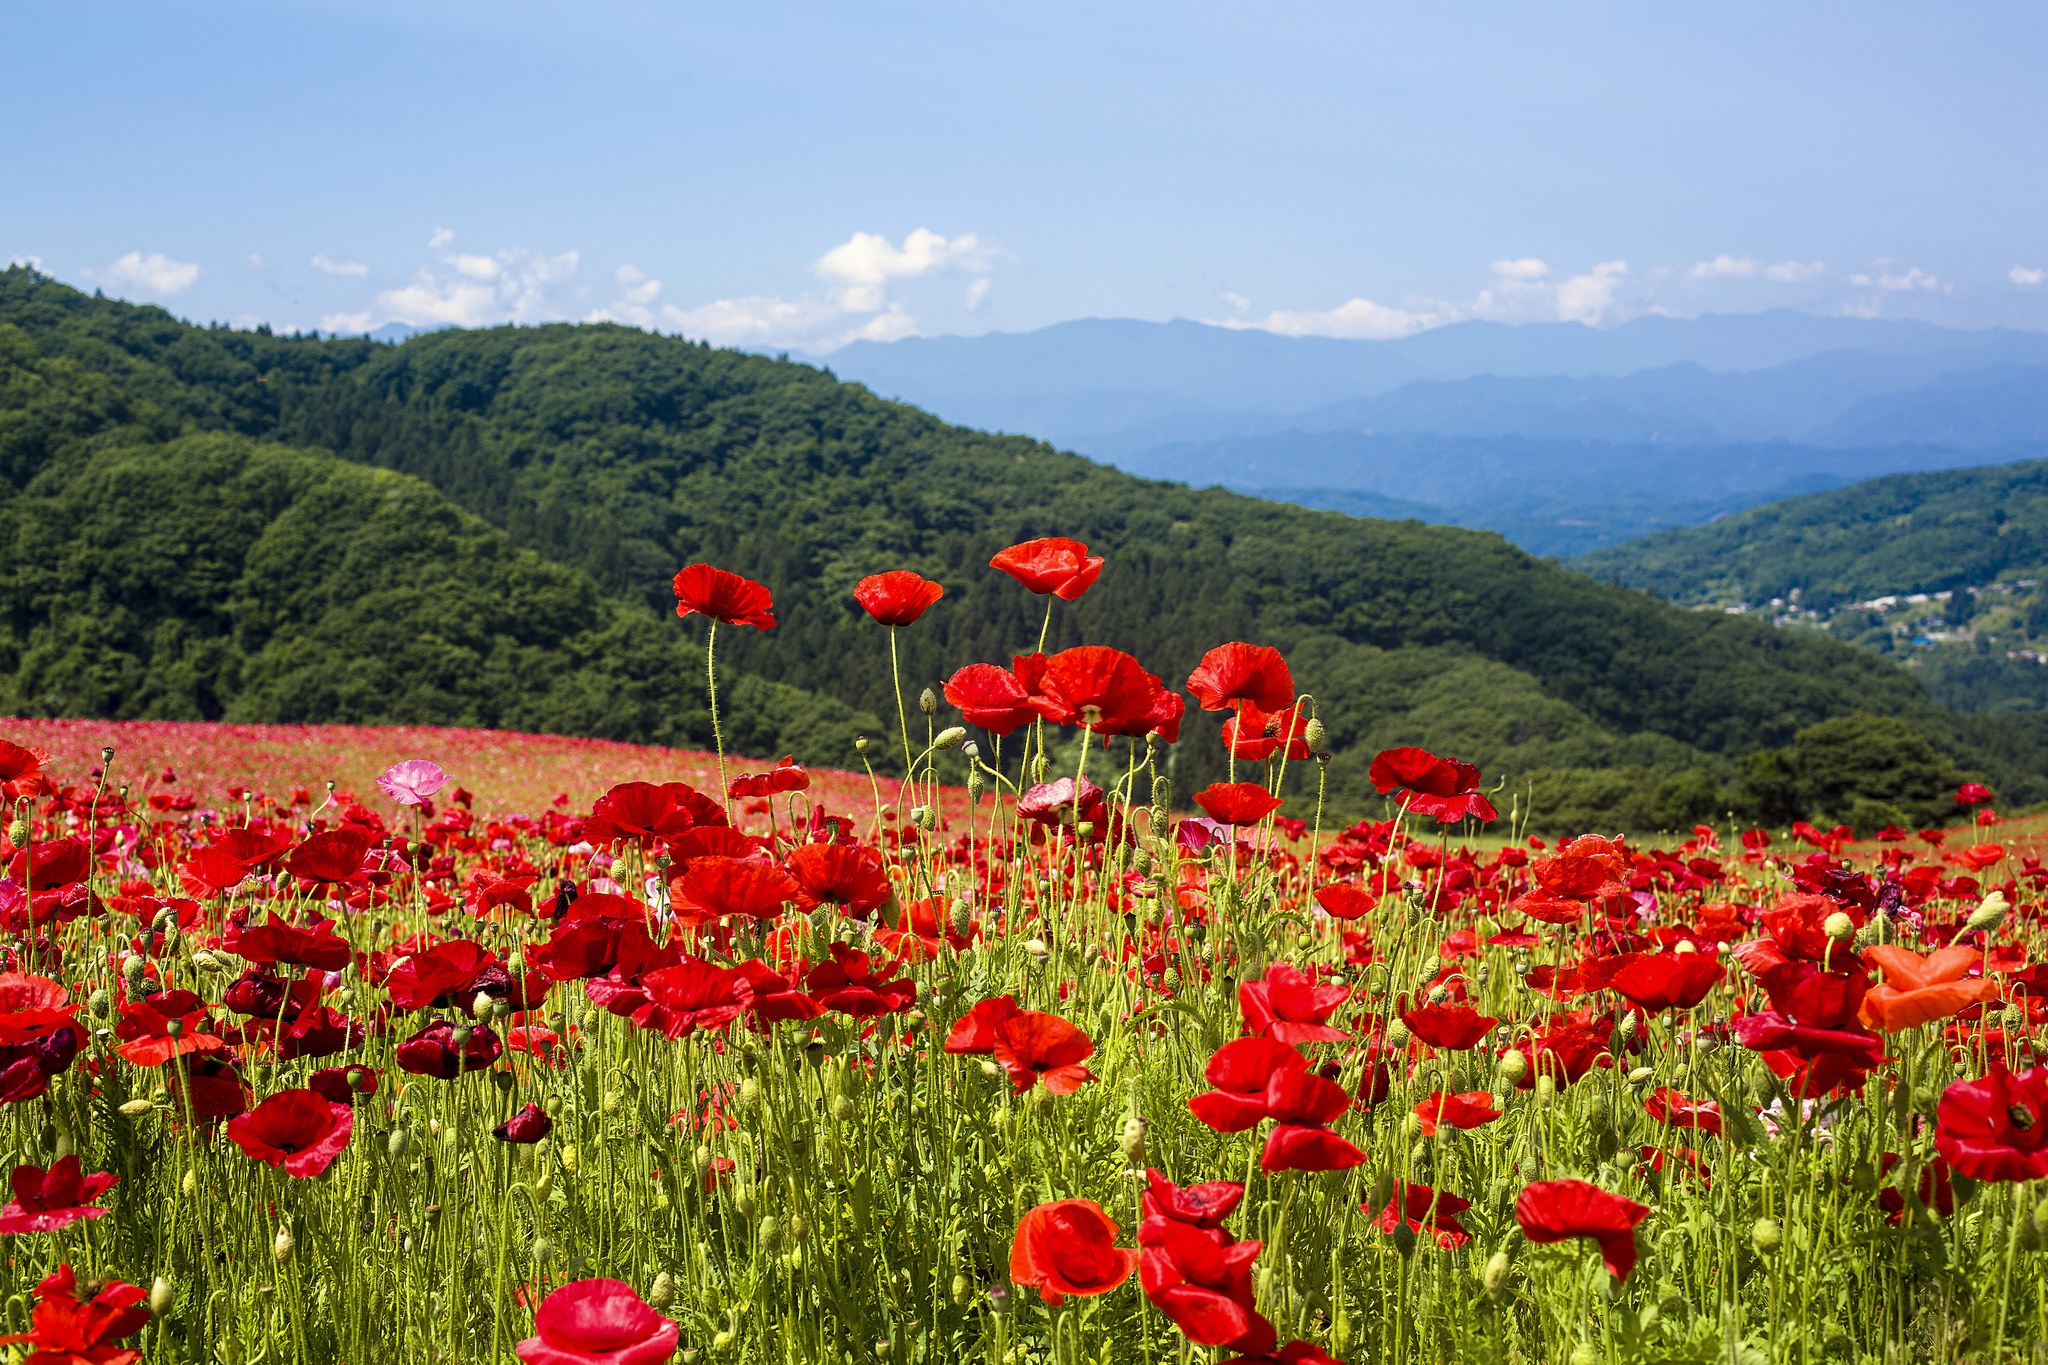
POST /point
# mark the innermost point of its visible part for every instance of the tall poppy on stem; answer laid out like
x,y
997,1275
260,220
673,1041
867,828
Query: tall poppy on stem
x,y
1559,1210
598,1322
722,595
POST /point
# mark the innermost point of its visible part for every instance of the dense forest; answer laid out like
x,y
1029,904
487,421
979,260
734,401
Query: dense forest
x,y
559,475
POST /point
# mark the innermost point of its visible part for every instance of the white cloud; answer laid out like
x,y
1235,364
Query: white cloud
x,y
155,275
977,293
1893,282
513,285
256,259
1355,318
1725,267
1795,272
862,266
1239,304
635,304
442,237
354,270
1526,291
756,320
2025,276
35,263
349,322
1587,298
1527,268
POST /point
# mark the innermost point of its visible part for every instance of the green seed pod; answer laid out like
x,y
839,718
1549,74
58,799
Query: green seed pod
x,y
860,745
962,1291
1315,733
1766,1235
1838,927
662,1292
100,1003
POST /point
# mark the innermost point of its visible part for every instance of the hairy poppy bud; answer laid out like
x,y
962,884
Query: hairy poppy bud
x,y
1838,927
18,832
950,738
161,1296
1431,966
1641,1075
135,1109
1134,1141
1495,1276
1989,914
397,1142
928,702
134,972
1404,1238
281,1245
860,745
1585,1353
480,1009
962,1290
961,922
1039,951
100,1003
976,784
1767,1236
1314,732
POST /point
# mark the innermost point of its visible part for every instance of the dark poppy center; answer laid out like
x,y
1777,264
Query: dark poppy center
x,y
2022,1117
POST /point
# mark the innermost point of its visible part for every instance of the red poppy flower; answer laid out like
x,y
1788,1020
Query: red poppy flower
x,y
68,1330
689,996
1558,1210
46,867
1287,1004
1054,565
433,1051
1935,1187
1996,1127
1566,1048
1463,1111
21,771
47,1200
1667,981
1424,1210
1443,787
1680,1110
1237,673
164,1026
343,1084
1455,1028
1972,794
530,1124
1237,803
598,1322
314,946
1203,1284
1342,900
785,776
298,1130
849,984
1253,736
212,870
1240,1072
1063,802
704,591
1919,989
849,875
642,813
333,855
728,886
1293,1353
1200,1206
991,697
1102,688
974,1033
771,997
898,597
1304,1103
1040,1048
1069,1247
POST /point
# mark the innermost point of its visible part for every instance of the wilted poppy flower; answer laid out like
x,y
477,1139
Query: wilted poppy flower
x,y
1054,565
298,1130
68,1330
1465,1110
898,597
1288,1005
1424,1210
598,1322
1558,1210
723,596
1919,989
1996,1127
1443,787
729,886
47,1200
1068,1247
1204,1284
1037,1048
1238,673
1682,1111
530,1124
333,855
1455,1028
411,782
1667,981
434,1050
1237,803
990,696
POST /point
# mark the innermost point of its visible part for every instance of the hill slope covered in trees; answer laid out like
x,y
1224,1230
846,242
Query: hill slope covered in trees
x,y
614,456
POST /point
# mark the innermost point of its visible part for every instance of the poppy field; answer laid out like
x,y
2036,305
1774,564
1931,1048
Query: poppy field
x,y
713,1059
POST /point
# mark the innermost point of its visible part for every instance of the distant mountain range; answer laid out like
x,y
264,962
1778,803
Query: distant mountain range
x,y
1563,437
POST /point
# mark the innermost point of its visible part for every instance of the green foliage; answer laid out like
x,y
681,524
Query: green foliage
x,y
617,456
1861,771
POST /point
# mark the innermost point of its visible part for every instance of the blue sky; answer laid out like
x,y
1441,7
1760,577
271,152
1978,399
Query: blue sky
x,y
799,174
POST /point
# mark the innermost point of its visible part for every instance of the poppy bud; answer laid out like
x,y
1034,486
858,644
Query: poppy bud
x,y
1989,914
480,1008
976,785
1766,1236
134,972
161,1297
1404,1238
1040,953
540,1250
1169,981
842,1109
281,1246
999,1299
1314,733
950,738
928,702
928,819
1585,1353
100,1003
1838,926
1134,1141
1546,1089
1641,1075
1038,767
962,1290
1431,965
1398,1034
1438,994
18,831
860,745
190,1184
397,1143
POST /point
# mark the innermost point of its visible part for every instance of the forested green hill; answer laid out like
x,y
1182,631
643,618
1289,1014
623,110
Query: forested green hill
x,y
616,456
